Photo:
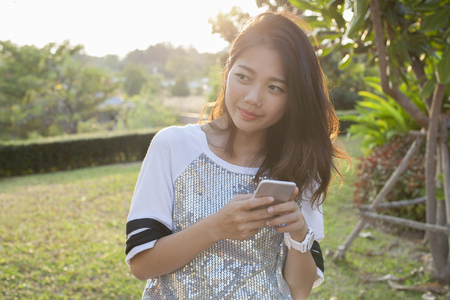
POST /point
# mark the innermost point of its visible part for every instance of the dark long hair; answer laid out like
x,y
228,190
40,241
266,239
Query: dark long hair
x,y
300,146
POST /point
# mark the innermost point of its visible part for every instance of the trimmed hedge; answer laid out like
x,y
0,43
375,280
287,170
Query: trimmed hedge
x,y
81,150
71,152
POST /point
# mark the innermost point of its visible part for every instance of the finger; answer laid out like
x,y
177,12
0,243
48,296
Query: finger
x,y
242,197
257,214
282,208
284,219
253,203
294,194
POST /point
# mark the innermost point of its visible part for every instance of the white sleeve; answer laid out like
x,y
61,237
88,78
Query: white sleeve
x,y
150,216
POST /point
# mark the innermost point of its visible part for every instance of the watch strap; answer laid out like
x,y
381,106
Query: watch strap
x,y
303,246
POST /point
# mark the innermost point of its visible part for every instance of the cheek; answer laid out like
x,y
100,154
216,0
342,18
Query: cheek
x,y
233,91
280,107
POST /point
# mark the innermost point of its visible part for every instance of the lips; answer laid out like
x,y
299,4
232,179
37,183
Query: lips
x,y
248,115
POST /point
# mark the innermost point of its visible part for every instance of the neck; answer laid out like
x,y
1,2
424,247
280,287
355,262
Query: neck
x,y
246,147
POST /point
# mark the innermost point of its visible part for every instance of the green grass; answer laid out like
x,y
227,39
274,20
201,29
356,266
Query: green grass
x,y
62,237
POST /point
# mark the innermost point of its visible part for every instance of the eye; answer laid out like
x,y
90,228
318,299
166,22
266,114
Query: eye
x,y
242,77
276,89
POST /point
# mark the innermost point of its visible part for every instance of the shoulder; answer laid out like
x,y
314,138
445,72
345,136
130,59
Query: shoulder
x,y
175,136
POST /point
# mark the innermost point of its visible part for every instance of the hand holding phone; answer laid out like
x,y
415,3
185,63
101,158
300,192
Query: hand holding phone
x,y
281,191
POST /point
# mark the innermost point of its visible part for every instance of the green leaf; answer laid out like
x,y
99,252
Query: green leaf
x,y
437,20
428,88
345,62
374,85
305,5
440,194
349,118
322,35
371,96
427,6
357,21
443,67
335,3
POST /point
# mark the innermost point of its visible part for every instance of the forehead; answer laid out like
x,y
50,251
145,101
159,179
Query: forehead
x,y
263,60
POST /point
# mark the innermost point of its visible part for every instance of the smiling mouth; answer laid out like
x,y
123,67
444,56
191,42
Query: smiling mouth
x,y
248,115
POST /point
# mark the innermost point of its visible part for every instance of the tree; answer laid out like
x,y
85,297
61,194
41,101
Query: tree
x,y
45,91
111,61
134,77
229,24
409,41
77,94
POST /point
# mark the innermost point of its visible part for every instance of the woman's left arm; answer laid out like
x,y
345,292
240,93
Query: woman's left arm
x,y
300,270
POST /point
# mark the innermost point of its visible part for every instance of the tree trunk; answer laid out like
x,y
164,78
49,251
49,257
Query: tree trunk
x,y
419,117
438,245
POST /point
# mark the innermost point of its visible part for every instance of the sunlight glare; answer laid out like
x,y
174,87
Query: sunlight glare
x,y
116,26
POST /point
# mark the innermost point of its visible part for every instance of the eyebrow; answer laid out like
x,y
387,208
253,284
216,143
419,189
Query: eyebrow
x,y
253,72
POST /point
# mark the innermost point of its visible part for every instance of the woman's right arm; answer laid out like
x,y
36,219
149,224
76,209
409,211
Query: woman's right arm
x,y
233,221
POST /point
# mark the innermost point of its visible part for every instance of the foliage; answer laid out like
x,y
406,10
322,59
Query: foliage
x,y
180,88
148,112
170,61
345,124
345,84
215,80
134,77
63,236
45,91
417,35
379,117
409,40
375,169
227,25
71,152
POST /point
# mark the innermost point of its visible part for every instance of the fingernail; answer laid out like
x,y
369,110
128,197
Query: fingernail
x,y
267,223
270,210
271,199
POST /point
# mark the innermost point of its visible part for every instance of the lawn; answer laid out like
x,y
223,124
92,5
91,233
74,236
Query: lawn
x,y
62,237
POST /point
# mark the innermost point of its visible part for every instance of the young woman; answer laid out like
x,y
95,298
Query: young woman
x,y
195,231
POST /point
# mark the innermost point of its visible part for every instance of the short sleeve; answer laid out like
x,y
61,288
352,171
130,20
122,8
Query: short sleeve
x,y
150,216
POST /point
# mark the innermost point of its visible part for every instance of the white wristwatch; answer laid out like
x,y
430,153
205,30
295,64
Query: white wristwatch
x,y
303,246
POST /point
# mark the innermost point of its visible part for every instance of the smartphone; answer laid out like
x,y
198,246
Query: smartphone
x,y
280,190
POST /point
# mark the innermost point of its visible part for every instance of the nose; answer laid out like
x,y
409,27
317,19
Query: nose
x,y
254,96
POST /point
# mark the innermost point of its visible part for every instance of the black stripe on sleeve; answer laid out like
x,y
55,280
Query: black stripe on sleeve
x,y
147,223
317,255
156,230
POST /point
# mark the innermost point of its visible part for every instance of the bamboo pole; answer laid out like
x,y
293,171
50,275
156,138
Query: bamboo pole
x,y
445,159
408,223
400,203
435,241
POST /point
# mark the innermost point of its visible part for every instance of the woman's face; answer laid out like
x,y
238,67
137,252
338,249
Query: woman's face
x,y
256,90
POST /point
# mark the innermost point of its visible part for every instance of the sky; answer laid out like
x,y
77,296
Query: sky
x,y
115,26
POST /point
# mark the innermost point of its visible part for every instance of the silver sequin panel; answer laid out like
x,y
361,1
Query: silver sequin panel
x,y
230,269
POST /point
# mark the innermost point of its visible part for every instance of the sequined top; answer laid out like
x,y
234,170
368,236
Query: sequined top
x,y
182,182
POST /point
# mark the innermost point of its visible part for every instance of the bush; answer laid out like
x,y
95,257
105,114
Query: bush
x,y
345,124
375,169
71,152
379,117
